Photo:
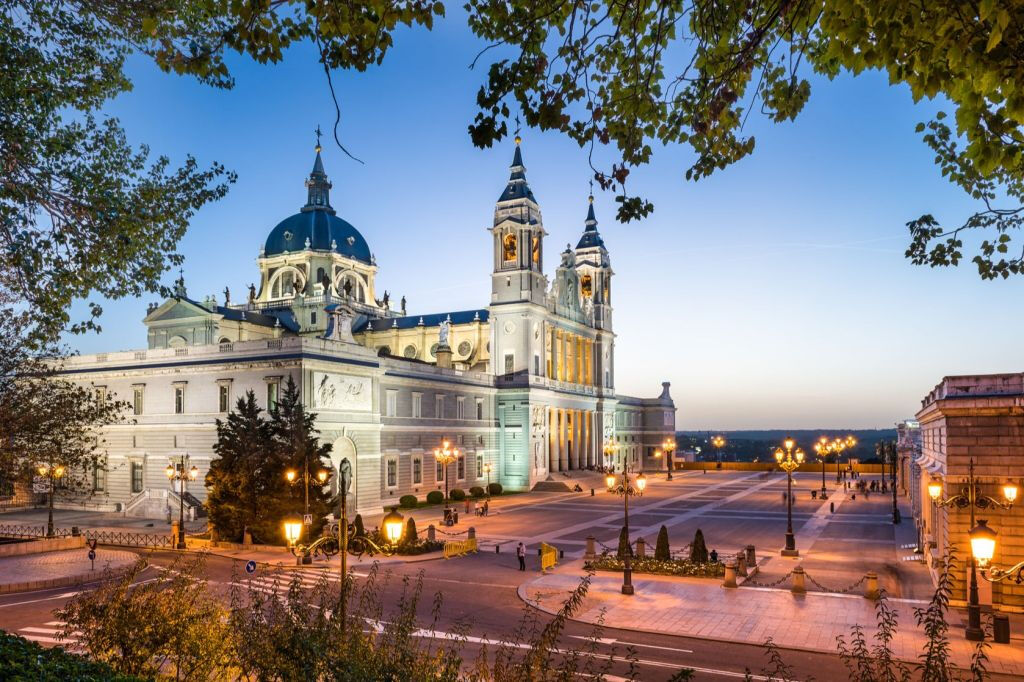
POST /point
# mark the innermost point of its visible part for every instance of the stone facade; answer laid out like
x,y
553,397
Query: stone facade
x,y
979,418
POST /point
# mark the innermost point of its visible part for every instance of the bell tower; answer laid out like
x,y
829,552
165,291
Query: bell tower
x,y
518,233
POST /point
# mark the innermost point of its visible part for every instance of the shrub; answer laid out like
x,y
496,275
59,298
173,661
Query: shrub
x,y
435,497
358,523
458,494
476,491
495,488
408,501
410,532
624,547
662,552
698,550
25,660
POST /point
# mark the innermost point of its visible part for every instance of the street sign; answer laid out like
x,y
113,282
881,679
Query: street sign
x,y
346,475
40,484
92,555
250,566
307,519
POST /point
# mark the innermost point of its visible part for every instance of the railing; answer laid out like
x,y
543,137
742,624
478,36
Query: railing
x,y
103,537
453,548
548,556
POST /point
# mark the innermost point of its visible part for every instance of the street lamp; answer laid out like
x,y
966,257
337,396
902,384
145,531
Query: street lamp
x,y
848,443
292,529
183,477
887,451
669,446
609,453
487,470
51,473
825,447
981,551
626,489
789,461
718,442
393,524
445,455
291,475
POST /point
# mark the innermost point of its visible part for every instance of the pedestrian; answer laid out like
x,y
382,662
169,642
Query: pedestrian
x,y
854,496
814,494
832,507
487,507
521,553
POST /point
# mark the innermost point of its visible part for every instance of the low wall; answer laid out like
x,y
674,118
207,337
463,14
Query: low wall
x,y
41,545
808,465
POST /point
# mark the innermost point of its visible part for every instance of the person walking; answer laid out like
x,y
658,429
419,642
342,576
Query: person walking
x,y
521,553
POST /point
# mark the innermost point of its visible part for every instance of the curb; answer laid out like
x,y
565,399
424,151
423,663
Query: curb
x,y
66,581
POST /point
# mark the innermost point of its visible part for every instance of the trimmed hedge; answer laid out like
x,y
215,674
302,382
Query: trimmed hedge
x,y
679,567
476,491
495,488
457,494
408,501
435,497
21,659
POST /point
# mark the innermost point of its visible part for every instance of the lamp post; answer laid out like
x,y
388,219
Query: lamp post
x,y
848,442
981,536
825,447
609,453
487,470
719,443
789,461
179,474
51,473
669,446
626,488
890,454
394,526
290,475
445,455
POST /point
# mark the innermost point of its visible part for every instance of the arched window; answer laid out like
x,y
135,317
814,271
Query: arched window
x,y
509,247
536,250
177,342
587,286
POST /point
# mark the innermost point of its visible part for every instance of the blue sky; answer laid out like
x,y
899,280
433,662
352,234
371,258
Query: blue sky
x,y
774,294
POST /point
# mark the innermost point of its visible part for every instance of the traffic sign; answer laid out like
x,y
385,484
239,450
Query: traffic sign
x,y
307,519
92,555
250,566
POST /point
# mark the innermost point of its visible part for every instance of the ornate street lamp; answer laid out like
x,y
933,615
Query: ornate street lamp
x,y
669,446
848,443
789,461
718,442
609,453
183,477
445,455
887,452
291,475
51,473
626,489
393,525
487,470
982,539
825,447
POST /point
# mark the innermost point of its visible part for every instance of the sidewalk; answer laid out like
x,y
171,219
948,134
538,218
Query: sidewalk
x,y
57,569
702,608
284,558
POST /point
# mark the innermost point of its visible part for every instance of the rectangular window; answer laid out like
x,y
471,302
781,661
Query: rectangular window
x,y
439,473
668,419
392,472
536,364
273,388
137,400
224,397
460,407
479,466
510,363
99,478
137,477
179,400
460,472
417,470
479,408
391,403
417,405
439,406
312,317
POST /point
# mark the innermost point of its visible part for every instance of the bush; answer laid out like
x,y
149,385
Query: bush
x,y
698,550
662,552
411,536
458,494
624,547
476,491
408,501
435,497
495,488
21,659
358,523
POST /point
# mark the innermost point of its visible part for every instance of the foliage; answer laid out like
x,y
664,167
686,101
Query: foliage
x,y
435,497
145,628
25,661
698,550
457,494
357,522
624,547
408,501
476,491
411,536
677,567
494,488
662,552
871,663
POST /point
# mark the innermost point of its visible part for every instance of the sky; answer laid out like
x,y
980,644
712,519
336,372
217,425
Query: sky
x,y
773,294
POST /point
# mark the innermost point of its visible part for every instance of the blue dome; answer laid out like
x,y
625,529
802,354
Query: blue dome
x,y
323,229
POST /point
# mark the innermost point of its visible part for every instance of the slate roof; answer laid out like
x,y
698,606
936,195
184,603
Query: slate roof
x,y
410,321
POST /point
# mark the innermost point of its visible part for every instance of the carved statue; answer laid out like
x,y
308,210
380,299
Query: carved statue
x,y
252,293
403,305
326,282
227,296
297,287
387,298
348,288
442,333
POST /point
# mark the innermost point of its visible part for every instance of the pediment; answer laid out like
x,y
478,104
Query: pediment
x,y
177,309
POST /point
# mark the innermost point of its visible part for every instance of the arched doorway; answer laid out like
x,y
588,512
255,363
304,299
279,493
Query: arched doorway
x,y
343,448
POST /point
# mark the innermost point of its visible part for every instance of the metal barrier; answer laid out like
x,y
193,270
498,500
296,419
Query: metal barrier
x,y
548,556
454,548
103,537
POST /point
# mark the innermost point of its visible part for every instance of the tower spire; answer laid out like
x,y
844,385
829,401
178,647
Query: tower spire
x,y
318,186
517,187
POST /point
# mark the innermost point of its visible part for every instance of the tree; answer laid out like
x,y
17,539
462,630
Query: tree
x,y
245,483
411,536
624,547
661,548
698,550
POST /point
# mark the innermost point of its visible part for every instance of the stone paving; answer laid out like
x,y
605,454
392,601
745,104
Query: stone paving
x,y
53,569
702,608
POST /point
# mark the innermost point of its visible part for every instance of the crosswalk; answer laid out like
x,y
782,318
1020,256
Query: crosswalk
x,y
280,583
49,634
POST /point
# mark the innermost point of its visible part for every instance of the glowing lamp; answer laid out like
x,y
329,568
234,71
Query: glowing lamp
x,y
321,476
193,472
43,470
292,529
169,471
779,454
1010,492
610,480
58,471
657,453
290,475
393,524
641,482
934,489
983,543
789,443
799,456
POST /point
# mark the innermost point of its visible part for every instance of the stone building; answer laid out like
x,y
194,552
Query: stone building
x,y
525,384
979,418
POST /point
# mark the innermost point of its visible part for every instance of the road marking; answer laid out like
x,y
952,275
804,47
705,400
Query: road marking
x,y
51,634
612,640
66,595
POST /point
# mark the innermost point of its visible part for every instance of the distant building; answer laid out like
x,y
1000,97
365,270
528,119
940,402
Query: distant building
x,y
965,418
525,384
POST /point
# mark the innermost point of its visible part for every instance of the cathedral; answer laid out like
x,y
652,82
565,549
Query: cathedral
x,y
524,387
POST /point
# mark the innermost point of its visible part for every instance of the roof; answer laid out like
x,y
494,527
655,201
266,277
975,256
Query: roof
x,y
284,315
410,321
591,237
325,231
517,187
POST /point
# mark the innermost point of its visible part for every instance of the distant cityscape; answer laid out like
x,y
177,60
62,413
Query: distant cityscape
x,y
758,445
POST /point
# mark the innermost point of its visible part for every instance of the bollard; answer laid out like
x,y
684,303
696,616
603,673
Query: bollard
x,y
799,586
641,548
730,575
471,533
497,549
1000,628
741,564
591,492
431,533
751,556
871,585
591,553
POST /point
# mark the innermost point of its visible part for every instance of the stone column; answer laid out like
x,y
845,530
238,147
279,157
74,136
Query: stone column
x,y
563,450
552,436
